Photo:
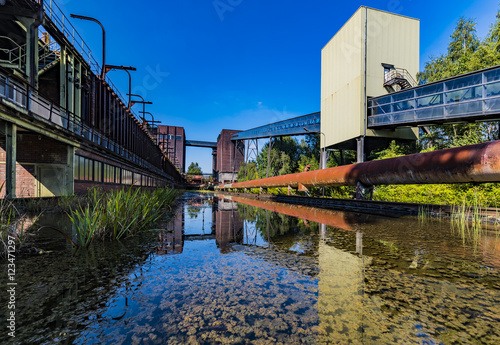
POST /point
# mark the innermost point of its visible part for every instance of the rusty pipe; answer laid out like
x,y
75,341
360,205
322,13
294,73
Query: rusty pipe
x,y
472,163
332,218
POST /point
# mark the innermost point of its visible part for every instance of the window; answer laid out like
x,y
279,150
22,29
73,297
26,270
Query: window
x,y
97,171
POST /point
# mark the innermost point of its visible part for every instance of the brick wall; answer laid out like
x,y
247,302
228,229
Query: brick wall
x,y
32,149
229,157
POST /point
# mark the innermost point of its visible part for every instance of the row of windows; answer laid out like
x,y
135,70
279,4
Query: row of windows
x,y
169,136
87,169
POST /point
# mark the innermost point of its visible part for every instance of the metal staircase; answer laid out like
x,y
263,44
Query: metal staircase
x,y
49,53
13,55
397,79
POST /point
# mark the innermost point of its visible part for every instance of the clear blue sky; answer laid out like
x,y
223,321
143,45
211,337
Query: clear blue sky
x,y
239,64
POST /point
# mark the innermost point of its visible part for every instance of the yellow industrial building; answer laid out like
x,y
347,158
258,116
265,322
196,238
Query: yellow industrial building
x,y
374,53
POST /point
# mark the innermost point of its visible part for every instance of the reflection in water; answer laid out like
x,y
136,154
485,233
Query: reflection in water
x,y
233,270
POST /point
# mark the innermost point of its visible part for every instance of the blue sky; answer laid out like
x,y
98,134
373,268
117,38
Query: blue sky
x,y
237,64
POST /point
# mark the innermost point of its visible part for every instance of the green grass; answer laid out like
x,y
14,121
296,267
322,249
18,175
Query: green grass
x,y
119,214
13,224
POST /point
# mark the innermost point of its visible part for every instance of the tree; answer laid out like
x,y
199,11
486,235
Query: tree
x,y
194,169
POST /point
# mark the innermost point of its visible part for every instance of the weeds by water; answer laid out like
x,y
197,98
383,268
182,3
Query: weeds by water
x,y
468,220
13,224
118,214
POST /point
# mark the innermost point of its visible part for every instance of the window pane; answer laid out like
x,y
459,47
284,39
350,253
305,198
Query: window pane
x,y
76,167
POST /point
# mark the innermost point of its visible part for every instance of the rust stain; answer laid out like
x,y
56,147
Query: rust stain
x,y
472,163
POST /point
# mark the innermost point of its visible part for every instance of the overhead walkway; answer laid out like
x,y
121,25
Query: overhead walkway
x,y
300,125
466,98
197,143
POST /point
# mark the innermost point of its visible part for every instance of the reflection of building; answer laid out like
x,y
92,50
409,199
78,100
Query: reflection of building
x,y
229,225
172,141
230,154
171,241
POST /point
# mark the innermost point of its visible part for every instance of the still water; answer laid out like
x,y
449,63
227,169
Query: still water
x,y
240,271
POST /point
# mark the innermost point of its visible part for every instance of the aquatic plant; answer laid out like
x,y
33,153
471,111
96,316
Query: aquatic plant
x,y
88,224
119,213
468,220
12,224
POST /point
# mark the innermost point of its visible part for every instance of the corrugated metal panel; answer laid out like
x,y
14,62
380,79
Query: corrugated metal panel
x,y
391,39
341,83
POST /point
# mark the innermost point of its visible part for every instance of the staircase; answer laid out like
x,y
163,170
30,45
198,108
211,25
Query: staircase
x,y
13,55
397,79
49,54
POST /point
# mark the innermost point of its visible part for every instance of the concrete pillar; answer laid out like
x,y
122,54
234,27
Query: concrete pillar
x,y
360,149
324,159
10,160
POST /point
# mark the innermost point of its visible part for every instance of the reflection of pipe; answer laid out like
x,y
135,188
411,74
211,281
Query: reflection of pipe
x,y
332,218
472,163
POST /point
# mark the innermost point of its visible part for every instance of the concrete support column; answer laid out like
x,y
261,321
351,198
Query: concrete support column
x,y
10,160
323,159
360,149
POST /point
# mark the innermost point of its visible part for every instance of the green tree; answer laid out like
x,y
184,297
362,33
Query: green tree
x,y
194,169
248,172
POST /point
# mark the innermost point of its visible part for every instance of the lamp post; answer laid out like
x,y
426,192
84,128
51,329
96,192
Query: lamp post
x,y
126,69
153,120
103,70
322,159
143,102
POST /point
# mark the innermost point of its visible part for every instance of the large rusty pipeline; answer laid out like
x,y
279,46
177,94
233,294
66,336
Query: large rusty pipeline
x,y
472,163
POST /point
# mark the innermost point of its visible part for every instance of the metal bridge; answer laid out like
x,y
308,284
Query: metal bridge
x,y
198,143
465,98
301,125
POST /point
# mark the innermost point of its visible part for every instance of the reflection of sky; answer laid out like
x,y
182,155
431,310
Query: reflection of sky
x,y
201,224
252,237
205,289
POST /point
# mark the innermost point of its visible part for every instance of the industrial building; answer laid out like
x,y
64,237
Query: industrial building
x,y
373,54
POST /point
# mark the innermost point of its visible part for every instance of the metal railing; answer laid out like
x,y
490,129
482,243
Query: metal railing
x,y
14,56
468,96
61,22
17,96
395,74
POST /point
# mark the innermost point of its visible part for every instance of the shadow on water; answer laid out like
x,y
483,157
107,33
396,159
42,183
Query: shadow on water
x,y
238,270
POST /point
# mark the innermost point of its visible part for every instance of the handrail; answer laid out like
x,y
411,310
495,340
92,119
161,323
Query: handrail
x,y
399,73
12,56
60,117
470,96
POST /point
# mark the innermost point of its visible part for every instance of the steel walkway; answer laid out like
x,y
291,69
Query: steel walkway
x,y
300,125
467,98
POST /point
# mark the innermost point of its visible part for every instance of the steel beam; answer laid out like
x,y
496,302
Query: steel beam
x,y
472,163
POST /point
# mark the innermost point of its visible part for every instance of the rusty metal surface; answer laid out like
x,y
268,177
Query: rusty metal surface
x,y
332,218
472,163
